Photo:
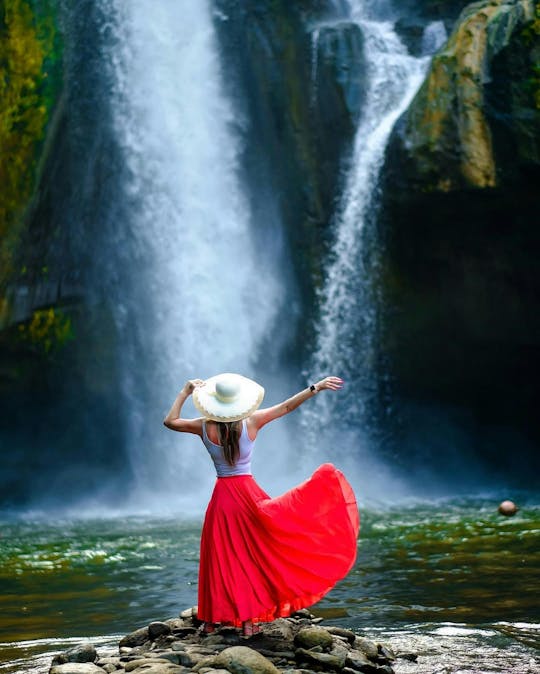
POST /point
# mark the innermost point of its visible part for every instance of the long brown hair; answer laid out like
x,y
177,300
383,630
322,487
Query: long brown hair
x,y
229,438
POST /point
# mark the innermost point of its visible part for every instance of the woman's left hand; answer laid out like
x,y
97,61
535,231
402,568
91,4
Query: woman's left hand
x,y
330,383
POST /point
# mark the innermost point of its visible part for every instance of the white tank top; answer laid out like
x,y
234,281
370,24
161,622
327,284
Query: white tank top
x,y
243,463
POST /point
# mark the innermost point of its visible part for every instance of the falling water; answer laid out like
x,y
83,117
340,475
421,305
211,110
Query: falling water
x,y
183,274
346,325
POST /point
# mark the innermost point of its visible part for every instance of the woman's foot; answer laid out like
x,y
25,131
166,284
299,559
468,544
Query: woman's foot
x,y
208,628
249,629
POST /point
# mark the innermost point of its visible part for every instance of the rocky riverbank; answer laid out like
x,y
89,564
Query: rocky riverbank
x,y
295,645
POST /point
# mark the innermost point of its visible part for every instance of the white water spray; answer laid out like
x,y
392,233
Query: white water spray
x,y
191,294
345,329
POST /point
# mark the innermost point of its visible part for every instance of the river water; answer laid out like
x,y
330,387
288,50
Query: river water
x,y
452,581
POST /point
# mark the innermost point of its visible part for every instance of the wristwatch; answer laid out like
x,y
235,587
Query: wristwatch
x,y
313,388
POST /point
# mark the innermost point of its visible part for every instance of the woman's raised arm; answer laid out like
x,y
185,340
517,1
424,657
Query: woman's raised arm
x,y
262,417
173,420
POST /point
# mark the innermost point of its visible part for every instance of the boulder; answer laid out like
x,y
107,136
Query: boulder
x,y
367,647
84,652
445,138
308,637
279,629
324,660
157,629
136,638
244,660
356,660
76,668
349,635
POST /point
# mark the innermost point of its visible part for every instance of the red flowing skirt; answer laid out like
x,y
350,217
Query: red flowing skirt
x,y
263,558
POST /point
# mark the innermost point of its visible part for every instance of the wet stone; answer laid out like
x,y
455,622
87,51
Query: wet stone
x,y
308,637
136,638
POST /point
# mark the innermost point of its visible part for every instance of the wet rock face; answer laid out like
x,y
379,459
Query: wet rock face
x,y
444,142
459,242
296,71
294,645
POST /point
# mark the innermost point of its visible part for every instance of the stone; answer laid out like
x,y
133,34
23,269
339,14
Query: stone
x,y
385,653
340,652
136,638
109,667
325,660
308,637
175,623
356,660
406,655
189,612
171,657
367,647
76,668
109,660
349,635
84,652
157,629
158,667
244,660
280,629
508,508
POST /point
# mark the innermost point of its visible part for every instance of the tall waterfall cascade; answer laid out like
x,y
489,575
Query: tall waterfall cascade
x,y
345,327
192,296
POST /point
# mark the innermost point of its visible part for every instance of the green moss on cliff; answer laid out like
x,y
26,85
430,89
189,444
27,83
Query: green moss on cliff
x,y
29,73
448,135
47,330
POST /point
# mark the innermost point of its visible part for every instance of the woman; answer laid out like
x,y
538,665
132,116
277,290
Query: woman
x,y
261,557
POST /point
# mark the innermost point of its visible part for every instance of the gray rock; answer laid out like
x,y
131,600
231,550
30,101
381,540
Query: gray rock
x,y
76,668
280,629
175,623
302,613
157,667
340,652
133,664
109,667
109,660
325,660
308,637
367,647
178,646
171,657
84,652
356,660
157,629
349,635
206,663
386,653
405,655
189,612
136,638
244,660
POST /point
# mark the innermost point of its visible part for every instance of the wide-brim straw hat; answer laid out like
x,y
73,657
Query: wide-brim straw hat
x,y
228,397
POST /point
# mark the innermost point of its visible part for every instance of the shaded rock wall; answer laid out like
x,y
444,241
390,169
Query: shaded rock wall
x,y
460,237
296,73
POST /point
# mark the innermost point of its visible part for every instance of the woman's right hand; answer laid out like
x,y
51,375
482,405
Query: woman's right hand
x,y
330,383
192,384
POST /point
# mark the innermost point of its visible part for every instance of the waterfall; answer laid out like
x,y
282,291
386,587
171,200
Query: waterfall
x,y
191,295
345,329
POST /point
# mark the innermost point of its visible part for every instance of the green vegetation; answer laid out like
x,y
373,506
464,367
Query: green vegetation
x,y
29,75
47,330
